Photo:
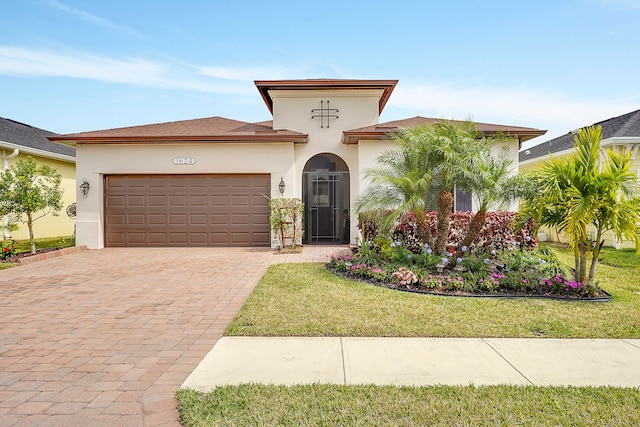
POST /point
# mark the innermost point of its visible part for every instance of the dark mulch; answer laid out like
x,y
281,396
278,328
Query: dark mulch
x,y
600,296
17,256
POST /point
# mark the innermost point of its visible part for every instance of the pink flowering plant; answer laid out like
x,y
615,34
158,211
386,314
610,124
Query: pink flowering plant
x,y
404,276
561,285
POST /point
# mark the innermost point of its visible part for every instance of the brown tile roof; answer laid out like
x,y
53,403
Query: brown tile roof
x,y
264,86
214,129
381,130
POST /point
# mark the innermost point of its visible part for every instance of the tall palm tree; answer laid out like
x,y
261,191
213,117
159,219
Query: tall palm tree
x,y
589,193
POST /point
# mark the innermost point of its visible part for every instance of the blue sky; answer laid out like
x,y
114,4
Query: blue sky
x,y
73,66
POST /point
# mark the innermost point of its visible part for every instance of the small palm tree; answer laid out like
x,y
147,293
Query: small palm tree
x,y
401,183
491,181
588,193
454,146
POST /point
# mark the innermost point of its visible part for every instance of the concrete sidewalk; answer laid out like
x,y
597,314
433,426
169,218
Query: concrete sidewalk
x,y
419,361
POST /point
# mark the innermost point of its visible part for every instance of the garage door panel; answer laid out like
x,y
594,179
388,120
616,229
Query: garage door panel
x,y
187,210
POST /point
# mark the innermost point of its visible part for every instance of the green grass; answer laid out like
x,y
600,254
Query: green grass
x,y
48,242
334,405
308,300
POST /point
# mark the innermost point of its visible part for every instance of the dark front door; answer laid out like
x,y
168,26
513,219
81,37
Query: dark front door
x,y
325,216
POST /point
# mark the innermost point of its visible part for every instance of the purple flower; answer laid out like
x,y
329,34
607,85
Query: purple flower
x,y
459,260
464,249
486,260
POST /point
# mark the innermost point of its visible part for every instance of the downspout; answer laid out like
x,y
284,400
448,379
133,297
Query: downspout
x,y
5,166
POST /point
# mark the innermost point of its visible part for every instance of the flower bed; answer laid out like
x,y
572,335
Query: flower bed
x,y
509,272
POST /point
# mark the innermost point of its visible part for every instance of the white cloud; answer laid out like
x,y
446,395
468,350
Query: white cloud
x,y
96,19
517,107
141,72
247,73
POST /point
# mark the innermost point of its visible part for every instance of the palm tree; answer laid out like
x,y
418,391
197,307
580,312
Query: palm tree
x,y
401,183
426,166
454,146
491,181
603,195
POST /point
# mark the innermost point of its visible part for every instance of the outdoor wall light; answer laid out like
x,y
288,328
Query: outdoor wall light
x,y
281,186
84,188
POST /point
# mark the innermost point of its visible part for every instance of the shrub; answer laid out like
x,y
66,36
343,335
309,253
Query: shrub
x,y
499,231
9,249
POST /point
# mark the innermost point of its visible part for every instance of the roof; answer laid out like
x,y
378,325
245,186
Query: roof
x,y
31,140
383,129
214,129
264,86
624,126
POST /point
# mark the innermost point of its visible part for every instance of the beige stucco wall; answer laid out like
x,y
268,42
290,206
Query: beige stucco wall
x,y
96,161
50,225
356,108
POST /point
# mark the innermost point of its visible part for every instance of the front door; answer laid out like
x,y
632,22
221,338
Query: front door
x,y
326,215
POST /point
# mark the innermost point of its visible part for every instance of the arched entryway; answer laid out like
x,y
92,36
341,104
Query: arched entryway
x,y
325,193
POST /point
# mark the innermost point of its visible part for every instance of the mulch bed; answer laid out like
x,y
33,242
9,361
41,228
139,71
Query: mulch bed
x,y
600,296
18,256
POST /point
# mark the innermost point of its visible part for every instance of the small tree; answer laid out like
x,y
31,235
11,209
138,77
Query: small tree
x,y
286,219
30,190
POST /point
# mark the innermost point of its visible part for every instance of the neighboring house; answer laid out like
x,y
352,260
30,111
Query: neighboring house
x,y
19,140
203,182
618,133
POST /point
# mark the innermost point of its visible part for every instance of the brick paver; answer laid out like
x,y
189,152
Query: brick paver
x,y
106,337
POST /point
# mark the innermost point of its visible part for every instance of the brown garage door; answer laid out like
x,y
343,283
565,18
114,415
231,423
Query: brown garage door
x,y
187,210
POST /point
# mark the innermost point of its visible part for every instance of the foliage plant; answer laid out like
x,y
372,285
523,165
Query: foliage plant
x,y
423,169
512,270
286,220
28,192
587,191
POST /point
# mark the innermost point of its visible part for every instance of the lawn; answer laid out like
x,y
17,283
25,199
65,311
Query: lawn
x,y
307,300
333,405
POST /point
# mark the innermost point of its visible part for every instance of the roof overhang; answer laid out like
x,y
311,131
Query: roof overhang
x,y
35,152
264,86
251,138
354,136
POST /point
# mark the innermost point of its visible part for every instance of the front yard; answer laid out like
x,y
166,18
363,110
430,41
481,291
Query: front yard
x,y
307,300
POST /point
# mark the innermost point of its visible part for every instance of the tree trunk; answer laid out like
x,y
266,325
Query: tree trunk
x,y
423,230
31,239
475,227
445,205
594,259
584,278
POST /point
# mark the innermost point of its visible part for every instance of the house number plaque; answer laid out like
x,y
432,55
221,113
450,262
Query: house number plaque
x,y
184,161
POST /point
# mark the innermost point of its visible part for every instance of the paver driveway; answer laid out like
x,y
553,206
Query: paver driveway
x,y
106,337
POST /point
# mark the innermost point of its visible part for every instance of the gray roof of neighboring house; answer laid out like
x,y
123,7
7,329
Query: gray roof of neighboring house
x,y
626,125
31,138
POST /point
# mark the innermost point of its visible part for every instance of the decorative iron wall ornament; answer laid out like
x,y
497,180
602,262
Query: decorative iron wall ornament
x,y
324,113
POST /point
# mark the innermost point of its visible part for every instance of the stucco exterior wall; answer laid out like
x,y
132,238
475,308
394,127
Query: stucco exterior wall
x,y
96,161
356,108
50,225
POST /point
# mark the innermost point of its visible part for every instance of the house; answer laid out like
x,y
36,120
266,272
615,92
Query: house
x,y
205,182
19,140
618,133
